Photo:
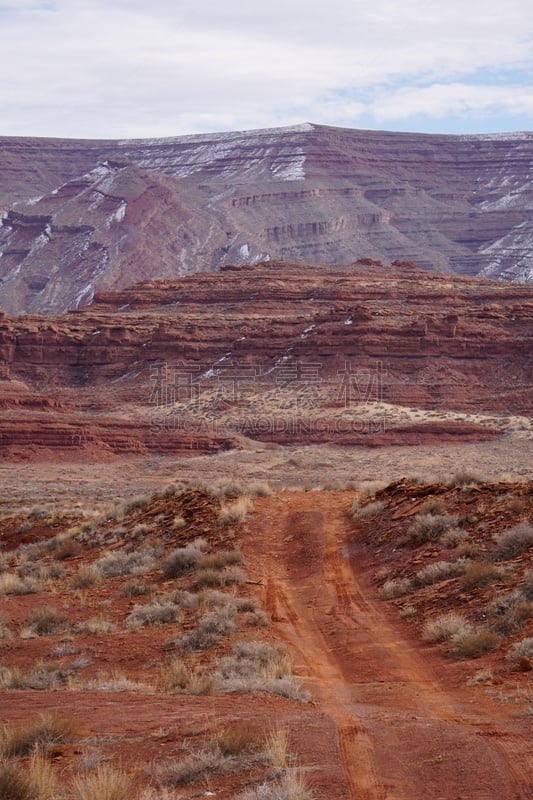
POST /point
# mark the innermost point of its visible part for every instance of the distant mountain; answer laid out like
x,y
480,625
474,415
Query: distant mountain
x,y
80,216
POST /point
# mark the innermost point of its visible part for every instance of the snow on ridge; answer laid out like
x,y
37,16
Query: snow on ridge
x,y
192,138
522,136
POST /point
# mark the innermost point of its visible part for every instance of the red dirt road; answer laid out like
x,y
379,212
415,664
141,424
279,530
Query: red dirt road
x,y
401,734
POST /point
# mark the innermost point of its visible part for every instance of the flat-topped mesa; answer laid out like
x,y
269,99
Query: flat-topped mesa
x,y
126,211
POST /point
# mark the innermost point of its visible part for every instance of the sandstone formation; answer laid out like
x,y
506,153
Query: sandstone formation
x,y
86,216
276,352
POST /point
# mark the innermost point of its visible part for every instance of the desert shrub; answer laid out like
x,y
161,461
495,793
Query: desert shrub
x,y
184,599
514,618
526,587
39,734
211,627
440,571
213,598
253,666
429,527
433,505
181,560
105,783
154,613
478,574
14,784
66,548
464,478
396,587
230,488
95,626
197,766
134,504
367,511
474,644
46,620
444,627
513,542
467,549
11,583
453,537
246,604
5,633
521,649
45,676
255,619
120,562
218,577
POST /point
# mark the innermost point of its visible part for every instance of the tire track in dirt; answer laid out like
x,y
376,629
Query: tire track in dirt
x,y
400,736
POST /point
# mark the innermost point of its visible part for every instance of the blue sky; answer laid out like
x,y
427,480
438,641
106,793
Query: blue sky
x,y
173,67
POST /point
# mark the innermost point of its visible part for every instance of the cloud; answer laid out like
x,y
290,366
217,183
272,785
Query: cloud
x,y
134,69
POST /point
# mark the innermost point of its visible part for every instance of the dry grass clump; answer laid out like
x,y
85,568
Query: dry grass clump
x,y
203,763
433,505
105,783
43,677
206,578
117,682
440,571
46,620
136,589
291,786
394,588
235,512
14,784
182,560
155,613
180,679
95,626
5,633
242,737
220,559
260,489
513,541
464,478
478,574
10,583
521,649
87,576
429,527
367,511
120,562
39,734
445,627
526,587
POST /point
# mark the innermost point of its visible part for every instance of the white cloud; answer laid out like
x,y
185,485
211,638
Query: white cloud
x,y
133,69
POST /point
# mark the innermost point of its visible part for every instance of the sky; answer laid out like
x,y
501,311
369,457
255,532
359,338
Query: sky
x,y
154,68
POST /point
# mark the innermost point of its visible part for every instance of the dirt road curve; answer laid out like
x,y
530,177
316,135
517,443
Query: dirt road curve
x,y
401,735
